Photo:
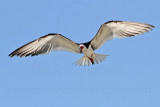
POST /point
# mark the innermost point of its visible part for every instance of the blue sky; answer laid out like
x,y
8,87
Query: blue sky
x,y
129,77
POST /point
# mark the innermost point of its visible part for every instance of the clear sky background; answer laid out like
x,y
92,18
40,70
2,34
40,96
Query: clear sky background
x,y
129,77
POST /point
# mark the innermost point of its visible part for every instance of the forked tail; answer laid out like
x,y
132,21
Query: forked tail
x,y
87,61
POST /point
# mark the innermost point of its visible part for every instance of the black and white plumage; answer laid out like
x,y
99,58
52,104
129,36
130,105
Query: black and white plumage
x,y
57,42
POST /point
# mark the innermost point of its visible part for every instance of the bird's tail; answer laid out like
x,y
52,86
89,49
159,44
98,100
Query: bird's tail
x,y
88,61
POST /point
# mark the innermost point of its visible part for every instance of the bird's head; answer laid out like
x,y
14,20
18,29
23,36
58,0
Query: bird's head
x,y
81,47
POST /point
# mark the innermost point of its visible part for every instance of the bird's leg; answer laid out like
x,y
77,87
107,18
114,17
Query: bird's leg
x,y
91,59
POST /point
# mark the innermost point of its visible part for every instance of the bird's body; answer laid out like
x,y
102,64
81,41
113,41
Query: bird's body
x,y
89,53
57,42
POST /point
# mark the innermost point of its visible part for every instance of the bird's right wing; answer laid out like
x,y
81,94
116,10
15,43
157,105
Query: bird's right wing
x,y
46,44
118,29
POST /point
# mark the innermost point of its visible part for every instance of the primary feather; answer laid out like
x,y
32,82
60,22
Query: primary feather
x,y
118,29
46,44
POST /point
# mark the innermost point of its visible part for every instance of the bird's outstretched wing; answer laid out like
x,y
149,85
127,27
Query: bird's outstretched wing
x,y
118,29
46,44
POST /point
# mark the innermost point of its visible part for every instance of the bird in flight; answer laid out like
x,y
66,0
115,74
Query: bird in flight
x,y
58,42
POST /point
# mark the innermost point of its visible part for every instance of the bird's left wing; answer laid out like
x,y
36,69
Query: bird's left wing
x,y
118,29
46,44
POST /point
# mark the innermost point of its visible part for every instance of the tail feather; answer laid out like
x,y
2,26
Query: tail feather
x,y
86,61
100,57
83,61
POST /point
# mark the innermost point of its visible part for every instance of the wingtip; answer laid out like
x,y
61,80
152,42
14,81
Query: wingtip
x,y
124,21
10,55
152,26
